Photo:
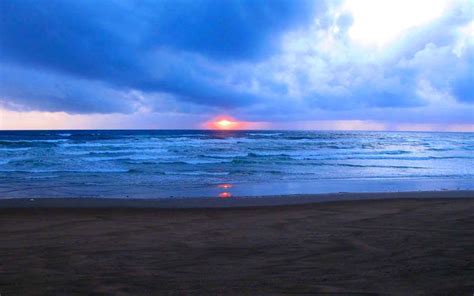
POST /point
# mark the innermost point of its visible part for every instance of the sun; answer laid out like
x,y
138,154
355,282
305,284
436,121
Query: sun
x,y
225,123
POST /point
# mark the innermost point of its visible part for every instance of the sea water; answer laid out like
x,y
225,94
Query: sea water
x,y
191,163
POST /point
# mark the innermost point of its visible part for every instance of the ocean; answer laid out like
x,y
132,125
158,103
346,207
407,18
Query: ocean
x,y
225,164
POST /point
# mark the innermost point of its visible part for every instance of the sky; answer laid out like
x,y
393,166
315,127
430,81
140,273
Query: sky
x,y
267,64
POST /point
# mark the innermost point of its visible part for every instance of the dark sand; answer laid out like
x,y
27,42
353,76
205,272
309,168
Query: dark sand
x,y
392,247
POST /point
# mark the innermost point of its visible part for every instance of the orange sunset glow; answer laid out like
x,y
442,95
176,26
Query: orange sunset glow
x,y
225,186
226,123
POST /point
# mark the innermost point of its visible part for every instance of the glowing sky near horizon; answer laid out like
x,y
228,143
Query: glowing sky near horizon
x,y
283,64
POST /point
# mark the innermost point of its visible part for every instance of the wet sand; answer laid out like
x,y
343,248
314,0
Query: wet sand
x,y
401,246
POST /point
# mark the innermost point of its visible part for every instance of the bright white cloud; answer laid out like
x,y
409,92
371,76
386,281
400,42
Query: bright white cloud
x,y
378,22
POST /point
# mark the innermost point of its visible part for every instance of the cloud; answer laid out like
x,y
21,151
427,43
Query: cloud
x,y
34,89
229,29
152,46
262,60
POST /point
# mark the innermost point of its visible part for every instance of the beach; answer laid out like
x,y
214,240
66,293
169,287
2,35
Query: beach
x,y
236,147
400,244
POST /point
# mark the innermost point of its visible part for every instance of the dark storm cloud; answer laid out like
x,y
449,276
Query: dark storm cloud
x,y
29,89
146,45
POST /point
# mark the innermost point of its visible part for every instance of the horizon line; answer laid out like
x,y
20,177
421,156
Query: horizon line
x,y
233,130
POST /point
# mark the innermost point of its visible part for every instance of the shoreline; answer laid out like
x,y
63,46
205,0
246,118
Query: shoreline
x,y
231,202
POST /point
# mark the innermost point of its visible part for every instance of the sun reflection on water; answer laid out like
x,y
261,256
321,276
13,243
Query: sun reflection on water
x,y
225,194
225,190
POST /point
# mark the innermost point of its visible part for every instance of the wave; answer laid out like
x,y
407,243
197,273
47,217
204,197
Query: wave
x,y
14,149
5,161
377,166
195,162
265,134
27,144
394,152
95,136
440,149
375,157
36,171
220,156
267,155
177,158
256,172
139,171
35,177
198,173
34,141
88,144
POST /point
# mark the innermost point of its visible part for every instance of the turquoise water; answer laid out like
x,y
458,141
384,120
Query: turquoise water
x,y
137,164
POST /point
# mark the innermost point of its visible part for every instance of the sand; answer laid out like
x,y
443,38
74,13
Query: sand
x,y
401,246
